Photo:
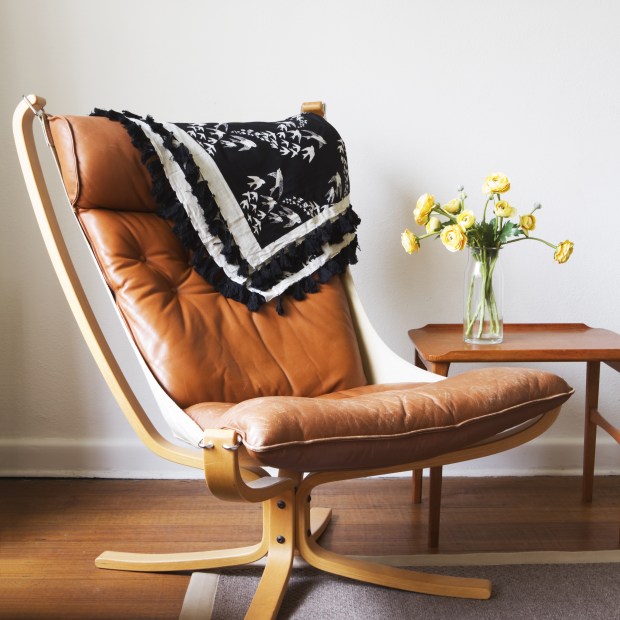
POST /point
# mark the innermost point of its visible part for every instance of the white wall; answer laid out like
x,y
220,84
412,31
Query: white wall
x,y
427,95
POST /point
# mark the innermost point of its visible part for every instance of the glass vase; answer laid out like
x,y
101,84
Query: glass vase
x,y
484,287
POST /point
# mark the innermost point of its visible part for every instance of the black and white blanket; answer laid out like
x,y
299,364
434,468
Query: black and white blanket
x,y
263,206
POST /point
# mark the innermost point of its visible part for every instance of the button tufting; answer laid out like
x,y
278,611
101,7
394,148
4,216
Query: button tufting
x,y
142,258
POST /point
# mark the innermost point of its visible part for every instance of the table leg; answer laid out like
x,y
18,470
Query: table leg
x,y
436,477
434,510
593,372
417,486
439,368
419,360
436,473
418,473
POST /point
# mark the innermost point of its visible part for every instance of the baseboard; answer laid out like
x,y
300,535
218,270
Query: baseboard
x,y
86,459
130,459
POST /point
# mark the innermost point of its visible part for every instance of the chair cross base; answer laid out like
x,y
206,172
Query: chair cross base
x,y
291,525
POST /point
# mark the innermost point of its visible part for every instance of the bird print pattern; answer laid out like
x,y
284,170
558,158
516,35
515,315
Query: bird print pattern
x,y
295,146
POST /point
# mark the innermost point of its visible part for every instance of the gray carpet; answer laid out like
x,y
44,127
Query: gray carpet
x,y
525,591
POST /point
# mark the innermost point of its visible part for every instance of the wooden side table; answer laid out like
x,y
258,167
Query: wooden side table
x,y
439,345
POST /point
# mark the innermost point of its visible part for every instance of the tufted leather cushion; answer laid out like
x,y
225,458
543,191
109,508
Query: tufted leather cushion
x,y
381,426
100,167
199,345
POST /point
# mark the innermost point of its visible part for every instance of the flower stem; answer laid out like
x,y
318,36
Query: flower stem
x,y
445,213
551,245
486,309
484,213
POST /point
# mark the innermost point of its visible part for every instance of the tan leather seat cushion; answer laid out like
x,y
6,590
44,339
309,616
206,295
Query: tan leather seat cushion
x,y
380,426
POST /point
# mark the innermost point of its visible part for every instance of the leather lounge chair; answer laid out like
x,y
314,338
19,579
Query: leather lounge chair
x,y
268,406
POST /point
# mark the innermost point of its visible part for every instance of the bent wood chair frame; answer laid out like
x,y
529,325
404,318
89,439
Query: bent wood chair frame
x,y
290,523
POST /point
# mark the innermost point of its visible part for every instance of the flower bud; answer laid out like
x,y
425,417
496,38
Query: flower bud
x,y
453,207
433,225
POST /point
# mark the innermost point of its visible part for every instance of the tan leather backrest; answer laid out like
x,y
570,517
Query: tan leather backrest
x,y
199,345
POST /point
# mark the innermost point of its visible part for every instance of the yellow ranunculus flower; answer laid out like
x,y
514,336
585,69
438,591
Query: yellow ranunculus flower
x,y
466,219
503,209
563,251
528,223
433,225
453,207
453,238
423,208
410,242
496,183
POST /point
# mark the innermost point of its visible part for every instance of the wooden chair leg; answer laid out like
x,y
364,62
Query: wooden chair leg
x,y
319,520
272,586
319,517
187,561
371,572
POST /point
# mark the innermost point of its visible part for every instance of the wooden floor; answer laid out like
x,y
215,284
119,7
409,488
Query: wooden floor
x,y
52,530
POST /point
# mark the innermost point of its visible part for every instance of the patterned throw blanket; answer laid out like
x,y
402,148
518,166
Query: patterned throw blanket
x,y
263,207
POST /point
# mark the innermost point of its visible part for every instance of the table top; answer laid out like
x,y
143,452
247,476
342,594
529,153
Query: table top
x,y
522,342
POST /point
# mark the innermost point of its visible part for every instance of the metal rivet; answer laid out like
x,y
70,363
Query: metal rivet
x,y
281,539
281,504
232,448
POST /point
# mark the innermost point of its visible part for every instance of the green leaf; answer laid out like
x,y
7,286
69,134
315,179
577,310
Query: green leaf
x,y
507,231
483,235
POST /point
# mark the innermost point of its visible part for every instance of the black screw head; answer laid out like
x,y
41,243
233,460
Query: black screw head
x,y
281,504
281,539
